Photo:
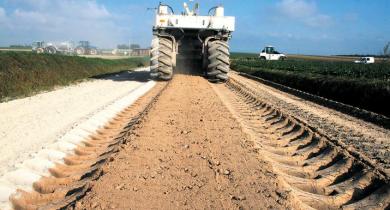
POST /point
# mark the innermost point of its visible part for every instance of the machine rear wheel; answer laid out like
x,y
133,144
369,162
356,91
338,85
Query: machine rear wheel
x,y
40,50
51,50
80,51
93,52
162,55
219,61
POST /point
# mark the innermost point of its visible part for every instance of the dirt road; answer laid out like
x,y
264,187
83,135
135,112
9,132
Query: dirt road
x,y
191,144
188,153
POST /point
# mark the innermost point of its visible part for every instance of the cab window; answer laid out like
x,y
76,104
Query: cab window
x,y
269,50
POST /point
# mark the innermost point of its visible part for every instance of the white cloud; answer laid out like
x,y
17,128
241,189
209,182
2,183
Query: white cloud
x,y
297,8
318,20
29,16
3,16
303,11
59,20
83,9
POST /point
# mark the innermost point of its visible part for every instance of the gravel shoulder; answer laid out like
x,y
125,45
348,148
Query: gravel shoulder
x,y
188,153
27,125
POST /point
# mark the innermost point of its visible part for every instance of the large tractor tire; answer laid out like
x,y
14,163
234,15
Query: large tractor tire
x,y
40,50
93,51
50,50
162,58
219,61
80,51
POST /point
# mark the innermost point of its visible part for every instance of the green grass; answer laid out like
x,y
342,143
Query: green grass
x,y
23,73
364,86
238,55
378,71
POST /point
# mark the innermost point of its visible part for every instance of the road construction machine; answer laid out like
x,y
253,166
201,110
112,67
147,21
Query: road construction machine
x,y
189,41
65,48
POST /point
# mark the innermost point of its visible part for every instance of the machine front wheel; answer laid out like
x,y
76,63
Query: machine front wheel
x,y
51,50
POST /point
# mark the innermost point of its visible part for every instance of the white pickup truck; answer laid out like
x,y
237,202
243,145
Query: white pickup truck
x,y
366,60
270,54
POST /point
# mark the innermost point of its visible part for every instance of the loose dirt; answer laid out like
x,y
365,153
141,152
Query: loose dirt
x,y
366,138
320,173
188,153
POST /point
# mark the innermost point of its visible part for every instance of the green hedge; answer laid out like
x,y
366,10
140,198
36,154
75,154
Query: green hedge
x,y
24,73
357,87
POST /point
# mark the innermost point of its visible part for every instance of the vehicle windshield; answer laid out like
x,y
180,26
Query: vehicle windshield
x,y
37,44
269,50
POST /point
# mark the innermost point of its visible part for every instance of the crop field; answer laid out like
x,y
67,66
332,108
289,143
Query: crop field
x,y
307,57
24,73
364,86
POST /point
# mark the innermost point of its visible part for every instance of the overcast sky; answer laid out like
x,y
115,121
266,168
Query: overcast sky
x,y
325,27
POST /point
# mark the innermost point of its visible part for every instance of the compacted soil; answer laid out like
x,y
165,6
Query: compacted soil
x,y
188,153
29,124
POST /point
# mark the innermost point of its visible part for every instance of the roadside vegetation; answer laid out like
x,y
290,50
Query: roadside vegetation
x,y
364,86
24,73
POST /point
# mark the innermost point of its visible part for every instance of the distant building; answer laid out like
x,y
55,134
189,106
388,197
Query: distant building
x,y
140,52
121,52
131,52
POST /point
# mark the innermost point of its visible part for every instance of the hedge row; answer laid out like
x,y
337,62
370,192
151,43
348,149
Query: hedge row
x,y
369,94
24,73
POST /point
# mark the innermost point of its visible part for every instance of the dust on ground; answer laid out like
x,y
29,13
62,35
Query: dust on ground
x,y
188,153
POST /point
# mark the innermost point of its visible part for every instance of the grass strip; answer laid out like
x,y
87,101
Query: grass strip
x,y
24,74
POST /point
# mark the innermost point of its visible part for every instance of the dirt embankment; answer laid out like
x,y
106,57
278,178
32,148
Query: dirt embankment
x,y
188,153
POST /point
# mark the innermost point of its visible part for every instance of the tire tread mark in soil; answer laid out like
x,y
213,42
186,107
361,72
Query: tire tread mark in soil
x,y
70,181
319,172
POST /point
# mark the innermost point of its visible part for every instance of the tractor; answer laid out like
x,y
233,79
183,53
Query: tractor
x,y
84,48
65,48
188,40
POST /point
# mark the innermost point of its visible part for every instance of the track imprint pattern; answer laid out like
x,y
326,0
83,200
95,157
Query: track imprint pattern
x,y
70,181
319,173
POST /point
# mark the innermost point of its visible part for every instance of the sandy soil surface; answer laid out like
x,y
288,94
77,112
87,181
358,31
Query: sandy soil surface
x,y
366,138
188,153
27,125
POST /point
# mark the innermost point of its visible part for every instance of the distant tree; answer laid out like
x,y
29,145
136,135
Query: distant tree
x,y
126,47
123,46
135,46
17,46
386,50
